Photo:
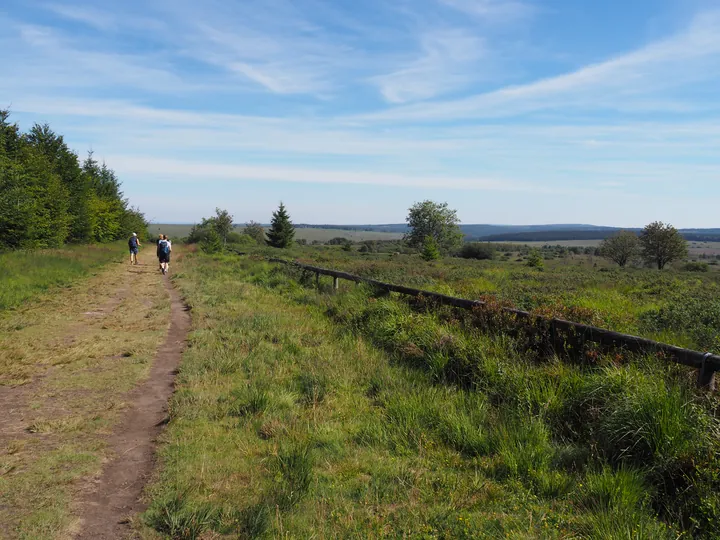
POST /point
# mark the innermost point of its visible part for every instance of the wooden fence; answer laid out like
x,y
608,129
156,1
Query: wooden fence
x,y
705,363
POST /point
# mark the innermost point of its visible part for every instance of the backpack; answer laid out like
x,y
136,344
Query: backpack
x,y
164,247
132,243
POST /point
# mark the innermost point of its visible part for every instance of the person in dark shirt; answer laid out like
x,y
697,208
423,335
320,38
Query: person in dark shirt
x,y
134,244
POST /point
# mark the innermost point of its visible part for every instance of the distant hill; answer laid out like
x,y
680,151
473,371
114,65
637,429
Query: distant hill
x,y
470,230
525,233
473,232
593,234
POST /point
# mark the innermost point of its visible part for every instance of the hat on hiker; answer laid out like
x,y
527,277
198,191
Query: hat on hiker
x,y
134,234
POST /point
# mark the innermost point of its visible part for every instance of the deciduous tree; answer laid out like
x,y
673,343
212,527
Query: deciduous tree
x,y
621,248
662,244
433,219
255,231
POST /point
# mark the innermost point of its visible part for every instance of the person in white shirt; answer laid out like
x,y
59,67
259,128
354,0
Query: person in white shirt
x,y
167,264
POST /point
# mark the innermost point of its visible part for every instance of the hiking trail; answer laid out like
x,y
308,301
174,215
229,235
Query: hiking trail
x,y
114,498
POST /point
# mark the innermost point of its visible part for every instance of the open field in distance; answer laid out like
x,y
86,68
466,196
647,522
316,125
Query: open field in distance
x,y
310,234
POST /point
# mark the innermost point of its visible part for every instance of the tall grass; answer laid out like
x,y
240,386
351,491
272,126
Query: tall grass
x,y
25,274
356,415
643,414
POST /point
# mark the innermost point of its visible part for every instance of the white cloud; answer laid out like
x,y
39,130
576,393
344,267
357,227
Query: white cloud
x,y
87,15
173,169
448,63
493,10
687,58
46,59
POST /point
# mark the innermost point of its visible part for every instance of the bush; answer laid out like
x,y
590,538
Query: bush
x,y
696,267
337,241
477,250
535,259
698,317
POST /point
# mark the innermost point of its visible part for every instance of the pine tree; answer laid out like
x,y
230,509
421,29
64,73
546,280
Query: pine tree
x,y
281,231
430,250
47,197
212,243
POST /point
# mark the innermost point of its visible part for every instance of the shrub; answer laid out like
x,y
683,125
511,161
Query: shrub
x,y
698,317
696,267
477,250
535,259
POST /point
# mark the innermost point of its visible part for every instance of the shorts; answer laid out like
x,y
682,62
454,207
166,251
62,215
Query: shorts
x,y
164,258
133,251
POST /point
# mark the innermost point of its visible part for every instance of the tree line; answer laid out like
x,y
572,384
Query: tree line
x,y
214,233
434,231
49,197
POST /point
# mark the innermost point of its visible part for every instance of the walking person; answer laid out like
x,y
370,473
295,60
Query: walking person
x,y
164,254
159,255
134,244
167,264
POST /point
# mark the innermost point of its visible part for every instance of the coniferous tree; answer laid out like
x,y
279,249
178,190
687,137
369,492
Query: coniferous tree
x,y
430,250
47,197
282,232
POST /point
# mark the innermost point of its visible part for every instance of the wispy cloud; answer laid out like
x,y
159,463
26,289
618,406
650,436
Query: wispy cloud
x,y
87,15
46,59
492,10
448,63
689,57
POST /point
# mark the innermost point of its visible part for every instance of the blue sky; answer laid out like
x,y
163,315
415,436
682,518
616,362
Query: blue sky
x,y
512,111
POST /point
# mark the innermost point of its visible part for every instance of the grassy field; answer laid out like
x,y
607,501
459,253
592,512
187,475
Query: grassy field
x,y
675,306
299,413
26,274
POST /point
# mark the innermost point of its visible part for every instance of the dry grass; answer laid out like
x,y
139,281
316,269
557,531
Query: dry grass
x,y
66,362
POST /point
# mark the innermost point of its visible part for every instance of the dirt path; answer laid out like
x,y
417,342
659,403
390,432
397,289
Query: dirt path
x,y
114,498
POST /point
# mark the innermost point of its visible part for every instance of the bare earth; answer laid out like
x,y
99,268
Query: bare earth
x,y
85,375
108,507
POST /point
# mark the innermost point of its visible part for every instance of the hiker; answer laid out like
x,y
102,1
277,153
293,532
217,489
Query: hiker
x,y
157,243
167,264
163,251
134,244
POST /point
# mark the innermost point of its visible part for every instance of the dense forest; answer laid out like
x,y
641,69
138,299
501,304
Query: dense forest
x,y
48,197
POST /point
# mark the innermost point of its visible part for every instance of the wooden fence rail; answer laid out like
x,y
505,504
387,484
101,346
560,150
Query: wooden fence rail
x,y
705,363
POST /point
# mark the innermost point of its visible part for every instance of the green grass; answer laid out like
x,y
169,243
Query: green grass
x,y
25,274
674,306
304,414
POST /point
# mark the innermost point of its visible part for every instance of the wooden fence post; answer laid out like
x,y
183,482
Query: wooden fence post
x,y
317,280
336,283
706,375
